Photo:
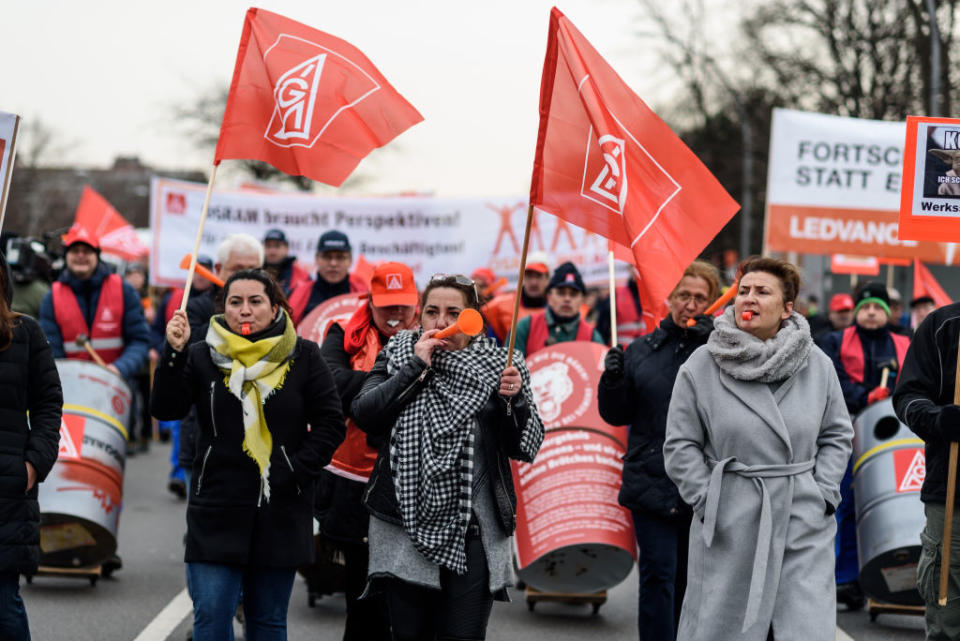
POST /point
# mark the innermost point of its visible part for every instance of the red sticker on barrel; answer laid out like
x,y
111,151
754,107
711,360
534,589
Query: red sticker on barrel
x,y
71,436
910,467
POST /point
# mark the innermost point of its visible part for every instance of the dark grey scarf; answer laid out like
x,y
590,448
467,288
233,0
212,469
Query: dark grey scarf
x,y
747,358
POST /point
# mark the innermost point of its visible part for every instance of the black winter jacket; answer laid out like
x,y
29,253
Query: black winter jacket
x,y
29,382
339,503
924,386
640,398
226,520
379,404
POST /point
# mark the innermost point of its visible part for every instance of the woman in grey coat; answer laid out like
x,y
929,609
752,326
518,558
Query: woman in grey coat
x,y
757,441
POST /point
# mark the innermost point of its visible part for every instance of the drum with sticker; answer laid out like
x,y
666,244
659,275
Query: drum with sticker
x,y
888,472
81,498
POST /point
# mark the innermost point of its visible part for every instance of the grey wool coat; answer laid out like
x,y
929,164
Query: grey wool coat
x,y
761,466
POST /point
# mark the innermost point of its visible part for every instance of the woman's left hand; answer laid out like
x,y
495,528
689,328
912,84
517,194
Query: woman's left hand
x,y
510,382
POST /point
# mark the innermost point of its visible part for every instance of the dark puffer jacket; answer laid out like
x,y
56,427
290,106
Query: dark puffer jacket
x,y
28,382
226,520
377,408
640,398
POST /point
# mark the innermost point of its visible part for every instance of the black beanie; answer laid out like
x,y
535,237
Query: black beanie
x,y
567,275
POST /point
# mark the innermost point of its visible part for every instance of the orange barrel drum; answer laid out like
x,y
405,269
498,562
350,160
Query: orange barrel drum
x,y
81,499
572,535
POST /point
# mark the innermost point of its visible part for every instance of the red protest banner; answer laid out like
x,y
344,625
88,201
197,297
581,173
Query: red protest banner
x,y
307,102
930,193
604,161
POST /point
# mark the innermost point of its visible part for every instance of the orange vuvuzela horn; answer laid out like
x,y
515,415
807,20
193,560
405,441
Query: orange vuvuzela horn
x,y
720,302
202,271
470,322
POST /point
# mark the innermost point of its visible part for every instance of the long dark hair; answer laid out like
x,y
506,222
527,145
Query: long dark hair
x,y
8,317
273,290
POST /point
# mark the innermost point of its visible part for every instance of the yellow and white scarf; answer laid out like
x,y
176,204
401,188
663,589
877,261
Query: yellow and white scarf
x,y
254,370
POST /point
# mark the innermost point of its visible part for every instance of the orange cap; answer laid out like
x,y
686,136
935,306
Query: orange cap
x,y
393,284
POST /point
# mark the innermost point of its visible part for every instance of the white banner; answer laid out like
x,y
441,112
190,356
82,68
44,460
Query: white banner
x,y
8,131
430,235
833,187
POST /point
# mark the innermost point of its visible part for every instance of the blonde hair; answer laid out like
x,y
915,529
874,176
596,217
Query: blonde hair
x,y
706,271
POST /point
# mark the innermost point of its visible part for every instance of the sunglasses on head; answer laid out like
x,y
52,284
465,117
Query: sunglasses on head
x,y
459,279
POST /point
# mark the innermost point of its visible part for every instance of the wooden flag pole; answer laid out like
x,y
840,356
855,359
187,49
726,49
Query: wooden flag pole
x,y
196,244
519,292
951,495
613,304
5,180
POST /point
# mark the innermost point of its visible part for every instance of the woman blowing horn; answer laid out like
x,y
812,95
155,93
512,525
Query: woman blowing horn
x,y
757,440
441,496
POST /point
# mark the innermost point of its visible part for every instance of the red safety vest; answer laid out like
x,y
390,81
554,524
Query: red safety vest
x,y
354,459
851,352
106,335
300,296
539,332
630,323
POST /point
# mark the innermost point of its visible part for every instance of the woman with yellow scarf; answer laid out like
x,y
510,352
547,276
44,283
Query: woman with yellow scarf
x,y
256,386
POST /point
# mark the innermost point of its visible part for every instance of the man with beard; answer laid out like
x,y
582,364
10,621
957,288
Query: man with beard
x,y
278,262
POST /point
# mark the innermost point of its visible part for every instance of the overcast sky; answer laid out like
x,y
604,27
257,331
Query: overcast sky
x,y
106,76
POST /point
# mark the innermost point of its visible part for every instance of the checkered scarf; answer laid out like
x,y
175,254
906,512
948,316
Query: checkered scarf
x,y
431,446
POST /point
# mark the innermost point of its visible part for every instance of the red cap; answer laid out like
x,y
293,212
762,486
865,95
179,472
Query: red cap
x,y
841,303
393,284
78,234
485,274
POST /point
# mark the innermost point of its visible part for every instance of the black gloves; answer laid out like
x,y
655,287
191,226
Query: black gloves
x,y
948,422
613,363
703,327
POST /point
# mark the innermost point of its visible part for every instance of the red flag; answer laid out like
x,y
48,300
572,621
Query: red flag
x,y
306,102
98,219
606,162
924,284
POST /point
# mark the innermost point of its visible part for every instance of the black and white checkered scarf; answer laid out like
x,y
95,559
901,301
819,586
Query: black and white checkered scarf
x,y
431,446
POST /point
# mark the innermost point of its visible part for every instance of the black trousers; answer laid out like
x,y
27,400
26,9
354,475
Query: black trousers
x,y
459,611
367,619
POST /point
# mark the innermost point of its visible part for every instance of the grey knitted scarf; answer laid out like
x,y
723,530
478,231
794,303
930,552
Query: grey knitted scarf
x,y
747,358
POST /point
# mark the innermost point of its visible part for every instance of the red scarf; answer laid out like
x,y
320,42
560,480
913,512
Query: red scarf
x,y
356,329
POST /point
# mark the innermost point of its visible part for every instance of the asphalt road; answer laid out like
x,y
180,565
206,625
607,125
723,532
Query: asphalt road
x,y
126,606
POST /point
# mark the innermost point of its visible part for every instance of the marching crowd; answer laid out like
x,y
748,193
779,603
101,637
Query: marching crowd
x,y
397,440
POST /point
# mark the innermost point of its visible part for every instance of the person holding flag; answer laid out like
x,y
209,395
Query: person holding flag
x,y
350,349
268,419
635,390
924,401
450,412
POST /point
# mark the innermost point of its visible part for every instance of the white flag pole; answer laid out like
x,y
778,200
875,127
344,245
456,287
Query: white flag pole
x,y
196,244
613,304
6,179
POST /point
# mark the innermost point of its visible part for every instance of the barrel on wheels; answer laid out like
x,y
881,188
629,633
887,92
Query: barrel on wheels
x,y
888,471
81,498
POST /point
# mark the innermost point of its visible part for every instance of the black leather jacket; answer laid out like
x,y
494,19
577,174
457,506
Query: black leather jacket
x,y
380,402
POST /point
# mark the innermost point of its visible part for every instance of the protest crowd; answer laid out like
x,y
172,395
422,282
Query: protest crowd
x,y
395,435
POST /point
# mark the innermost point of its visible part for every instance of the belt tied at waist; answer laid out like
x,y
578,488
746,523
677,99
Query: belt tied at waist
x,y
764,531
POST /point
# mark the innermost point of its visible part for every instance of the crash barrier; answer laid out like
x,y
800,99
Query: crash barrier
x,y
81,498
888,472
